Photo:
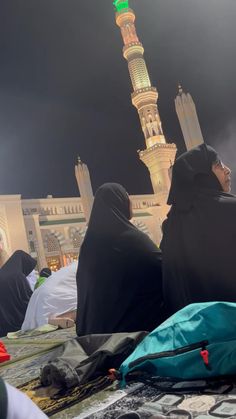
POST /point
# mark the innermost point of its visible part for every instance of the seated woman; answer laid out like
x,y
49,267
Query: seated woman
x,y
15,291
199,234
119,274
55,301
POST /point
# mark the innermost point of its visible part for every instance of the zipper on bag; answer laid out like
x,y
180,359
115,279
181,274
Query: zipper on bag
x,y
204,354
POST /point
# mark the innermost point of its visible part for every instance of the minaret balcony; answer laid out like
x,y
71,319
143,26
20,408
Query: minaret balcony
x,y
155,139
162,148
144,97
125,16
133,49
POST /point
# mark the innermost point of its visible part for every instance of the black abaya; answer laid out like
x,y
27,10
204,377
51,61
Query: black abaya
x,y
199,234
15,291
119,272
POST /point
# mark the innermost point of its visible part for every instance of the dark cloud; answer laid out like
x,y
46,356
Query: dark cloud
x,y
65,89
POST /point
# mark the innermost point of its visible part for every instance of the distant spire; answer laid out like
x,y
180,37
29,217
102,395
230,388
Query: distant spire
x,y
79,161
180,89
188,119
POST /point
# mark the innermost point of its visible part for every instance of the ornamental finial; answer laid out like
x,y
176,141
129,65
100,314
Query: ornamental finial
x,y
121,4
180,89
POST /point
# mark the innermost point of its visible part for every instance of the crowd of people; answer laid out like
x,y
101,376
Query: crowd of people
x,y
123,282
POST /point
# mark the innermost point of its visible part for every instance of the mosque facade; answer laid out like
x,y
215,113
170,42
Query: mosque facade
x,y
52,229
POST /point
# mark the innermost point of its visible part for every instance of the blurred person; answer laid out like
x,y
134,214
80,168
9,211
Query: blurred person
x,y
55,301
16,405
43,275
15,291
32,279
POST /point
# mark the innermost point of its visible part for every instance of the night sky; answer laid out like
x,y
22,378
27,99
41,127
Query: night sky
x,y
65,88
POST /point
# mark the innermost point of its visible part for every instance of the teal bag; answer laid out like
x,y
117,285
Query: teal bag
x,y
198,341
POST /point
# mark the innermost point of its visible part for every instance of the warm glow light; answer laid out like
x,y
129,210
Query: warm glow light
x,y
121,4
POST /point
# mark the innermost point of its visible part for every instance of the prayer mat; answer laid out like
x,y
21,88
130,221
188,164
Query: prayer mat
x,y
35,332
29,354
212,399
51,400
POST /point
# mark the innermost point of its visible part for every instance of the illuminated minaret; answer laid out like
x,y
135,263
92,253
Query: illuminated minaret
x,y
158,155
188,119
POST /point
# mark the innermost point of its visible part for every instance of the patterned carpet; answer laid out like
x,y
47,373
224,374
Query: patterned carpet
x,y
217,399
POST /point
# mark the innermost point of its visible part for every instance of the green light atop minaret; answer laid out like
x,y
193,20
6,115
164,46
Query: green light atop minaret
x,y
121,4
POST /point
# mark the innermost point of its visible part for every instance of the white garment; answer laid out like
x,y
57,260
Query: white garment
x,y
3,255
57,295
32,279
20,406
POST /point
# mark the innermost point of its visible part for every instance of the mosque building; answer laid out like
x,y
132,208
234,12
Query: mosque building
x,y
52,229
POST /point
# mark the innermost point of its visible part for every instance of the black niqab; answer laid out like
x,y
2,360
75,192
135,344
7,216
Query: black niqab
x,y
15,291
199,234
119,271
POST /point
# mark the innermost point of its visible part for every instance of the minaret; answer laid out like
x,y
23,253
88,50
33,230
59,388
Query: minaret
x,y
84,183
188,119
158,155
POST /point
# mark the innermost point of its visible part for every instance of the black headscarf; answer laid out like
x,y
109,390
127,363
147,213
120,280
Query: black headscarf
x,y
15,291
45,273
191,171
199,234
119,272
111,212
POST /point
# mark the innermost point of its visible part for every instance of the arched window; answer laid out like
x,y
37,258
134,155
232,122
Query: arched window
x,y
77,240
52,243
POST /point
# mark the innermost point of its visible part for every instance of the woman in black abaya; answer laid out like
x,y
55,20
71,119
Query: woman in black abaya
x,y
15,291
199,234
119,273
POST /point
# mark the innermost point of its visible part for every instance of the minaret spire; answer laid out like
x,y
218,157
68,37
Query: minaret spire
x,y
188,119
158,154
84,183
